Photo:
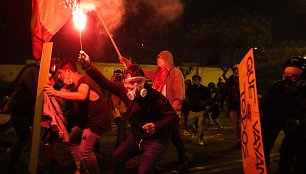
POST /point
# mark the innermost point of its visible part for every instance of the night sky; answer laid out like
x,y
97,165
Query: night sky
x,y
140,37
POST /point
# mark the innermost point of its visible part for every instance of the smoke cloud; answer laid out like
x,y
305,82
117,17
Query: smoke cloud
x,y
148,15
166,10
157,13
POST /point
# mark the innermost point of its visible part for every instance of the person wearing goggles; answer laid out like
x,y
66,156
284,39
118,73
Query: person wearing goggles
x,y
284,109
151,116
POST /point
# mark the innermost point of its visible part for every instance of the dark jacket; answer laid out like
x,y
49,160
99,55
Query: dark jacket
x,y
23,97
280,108
153,108
232,93
198,97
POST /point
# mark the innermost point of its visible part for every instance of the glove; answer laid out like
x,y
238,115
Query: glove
x,y
84,60
117,120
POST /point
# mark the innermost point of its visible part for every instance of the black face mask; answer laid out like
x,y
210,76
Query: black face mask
x,y
290,86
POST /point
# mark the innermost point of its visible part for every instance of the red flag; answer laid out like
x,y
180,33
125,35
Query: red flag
x,y
48,16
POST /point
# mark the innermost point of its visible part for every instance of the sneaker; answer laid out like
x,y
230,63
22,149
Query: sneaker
x,y
186,133
220,128
201,142
193,136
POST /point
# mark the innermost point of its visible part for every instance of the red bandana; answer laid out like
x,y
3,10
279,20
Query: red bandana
x,y
160,79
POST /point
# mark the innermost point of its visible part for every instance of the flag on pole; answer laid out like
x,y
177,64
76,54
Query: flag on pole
x,y
48,16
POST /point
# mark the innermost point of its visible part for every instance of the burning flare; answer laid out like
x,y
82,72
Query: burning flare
x,y
79,19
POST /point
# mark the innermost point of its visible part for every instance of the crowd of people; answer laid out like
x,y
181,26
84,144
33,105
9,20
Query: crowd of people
x,y
153,111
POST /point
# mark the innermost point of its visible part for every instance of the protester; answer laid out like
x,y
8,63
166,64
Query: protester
x,y
185,109
150,115
284,108
118,109
220,93
197,96
91,112
169,80
53,122
21,107
232,94
213,108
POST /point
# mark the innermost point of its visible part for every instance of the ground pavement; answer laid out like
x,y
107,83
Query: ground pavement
x,y
219,154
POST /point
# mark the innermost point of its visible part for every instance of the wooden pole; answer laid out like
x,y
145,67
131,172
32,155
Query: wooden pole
x,y
110,36
42,81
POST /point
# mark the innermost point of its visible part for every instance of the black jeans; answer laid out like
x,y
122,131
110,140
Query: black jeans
x,y
179,145
22,126
121,129
152,151
292,154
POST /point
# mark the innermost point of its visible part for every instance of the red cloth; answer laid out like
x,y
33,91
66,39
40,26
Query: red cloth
x,y
160,78
48,17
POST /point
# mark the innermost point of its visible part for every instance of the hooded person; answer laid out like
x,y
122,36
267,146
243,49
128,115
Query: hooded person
x,y
166,78
169,80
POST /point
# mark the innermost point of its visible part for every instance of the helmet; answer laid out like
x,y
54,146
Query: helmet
x,y
298,62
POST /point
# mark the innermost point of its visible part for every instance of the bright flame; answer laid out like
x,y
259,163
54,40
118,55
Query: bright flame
x,y
88,6
69,4
79,19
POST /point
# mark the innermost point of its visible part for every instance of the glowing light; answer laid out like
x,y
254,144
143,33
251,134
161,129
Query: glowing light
x,y
69,4
79,19
88,6
78,15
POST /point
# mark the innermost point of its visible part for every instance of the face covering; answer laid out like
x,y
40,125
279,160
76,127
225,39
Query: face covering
x,y
138,92
68,79
135,87
290,85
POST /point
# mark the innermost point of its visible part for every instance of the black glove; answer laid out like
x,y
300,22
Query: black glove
x,y
117,120
292,126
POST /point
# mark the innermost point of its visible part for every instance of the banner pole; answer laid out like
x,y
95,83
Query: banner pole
x,y
42,81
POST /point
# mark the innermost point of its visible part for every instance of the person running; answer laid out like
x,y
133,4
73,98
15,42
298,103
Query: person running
x,y
150,114
90,109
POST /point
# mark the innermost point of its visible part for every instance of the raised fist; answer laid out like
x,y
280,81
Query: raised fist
x,y
84,60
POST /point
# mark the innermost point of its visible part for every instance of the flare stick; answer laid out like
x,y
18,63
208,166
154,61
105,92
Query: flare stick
x,y
81,41
109,35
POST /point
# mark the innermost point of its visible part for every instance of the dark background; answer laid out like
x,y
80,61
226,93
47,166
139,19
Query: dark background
x,y
136,39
